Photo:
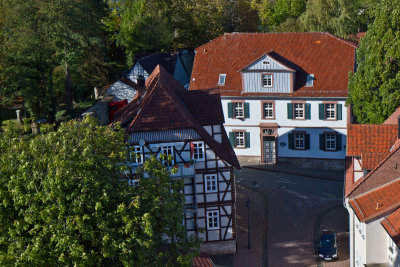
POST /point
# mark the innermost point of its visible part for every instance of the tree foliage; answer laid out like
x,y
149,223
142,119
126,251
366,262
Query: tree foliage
x,y
63,202
374,88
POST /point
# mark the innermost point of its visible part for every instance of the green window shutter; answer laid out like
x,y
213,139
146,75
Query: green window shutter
x,y
246,110
290,140
308,111
290,111
338,111
322,142
307,143
232,138
247,139
338,142
230,110
321,111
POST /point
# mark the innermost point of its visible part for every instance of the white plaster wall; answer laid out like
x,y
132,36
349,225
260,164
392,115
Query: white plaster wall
x,y
281,113
314,127
351,231
393,259
376,243
314,151
360,244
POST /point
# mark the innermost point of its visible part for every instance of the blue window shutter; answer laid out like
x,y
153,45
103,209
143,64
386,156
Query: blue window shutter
x,y
321,111
307,143
290,140
308,111
338,111
338,142
247,139
290,111
246,110
232,138
322,142
230,110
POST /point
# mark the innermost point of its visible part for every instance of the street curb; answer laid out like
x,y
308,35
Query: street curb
x,y
294,173
264,226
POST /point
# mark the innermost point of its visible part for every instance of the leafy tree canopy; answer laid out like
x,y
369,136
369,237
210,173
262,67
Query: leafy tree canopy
x,y
374,88
64,203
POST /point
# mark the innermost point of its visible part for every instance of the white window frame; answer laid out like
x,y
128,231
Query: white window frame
x,y
221,79
330,143
267,80
136,155
299,138
238,110
298,108
268,108
310,80
133,182
330,111
198,150
240,140
213,218
211,182
165,151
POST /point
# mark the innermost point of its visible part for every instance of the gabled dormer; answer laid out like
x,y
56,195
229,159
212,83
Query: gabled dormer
x,y
270,73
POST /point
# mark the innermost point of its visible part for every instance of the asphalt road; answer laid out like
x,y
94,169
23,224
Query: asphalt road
x,y
296,209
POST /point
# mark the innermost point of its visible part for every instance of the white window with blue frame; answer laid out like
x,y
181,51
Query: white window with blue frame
x,y
330,141
299,140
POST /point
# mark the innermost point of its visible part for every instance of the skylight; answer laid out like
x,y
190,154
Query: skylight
x,y
221,80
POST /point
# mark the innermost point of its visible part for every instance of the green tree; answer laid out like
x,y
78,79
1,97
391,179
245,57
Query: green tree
x,y
339,17
64,203
374,88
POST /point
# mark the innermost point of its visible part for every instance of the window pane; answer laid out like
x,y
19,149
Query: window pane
x,y
239,139
268,110
238,110
330,141
330,111
298,140
299,111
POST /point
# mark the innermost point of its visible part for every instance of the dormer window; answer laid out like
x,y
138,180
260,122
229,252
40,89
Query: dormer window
x,y
221,80
310,80
266,80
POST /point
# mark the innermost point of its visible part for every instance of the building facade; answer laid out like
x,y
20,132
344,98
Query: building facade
x,y
372,193
283,94
188,127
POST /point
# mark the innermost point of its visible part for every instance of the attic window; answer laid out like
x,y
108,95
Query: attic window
x,y
266,62
310,80
221,80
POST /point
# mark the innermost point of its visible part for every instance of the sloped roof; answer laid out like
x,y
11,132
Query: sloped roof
x,y
385,172
370,138
329,58
392,226
393,119
167,105
166,60
377,201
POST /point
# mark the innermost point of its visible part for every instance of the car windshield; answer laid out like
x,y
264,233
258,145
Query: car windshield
x,y
326,243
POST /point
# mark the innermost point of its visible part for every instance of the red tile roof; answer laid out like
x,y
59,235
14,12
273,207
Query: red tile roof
x,y
329,58
167,105
202,261
392,226
377,202
385,172
393,119
370,138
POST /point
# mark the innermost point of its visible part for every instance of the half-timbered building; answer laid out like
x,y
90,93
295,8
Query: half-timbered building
x,y
188,126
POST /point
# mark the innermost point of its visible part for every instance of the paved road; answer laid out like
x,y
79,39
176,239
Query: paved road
x,y
295,204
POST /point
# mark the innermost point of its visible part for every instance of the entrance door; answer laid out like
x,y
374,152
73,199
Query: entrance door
x,y
269,149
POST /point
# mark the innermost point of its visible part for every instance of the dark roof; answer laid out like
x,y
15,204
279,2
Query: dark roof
x,y
167,105
150,62
329,58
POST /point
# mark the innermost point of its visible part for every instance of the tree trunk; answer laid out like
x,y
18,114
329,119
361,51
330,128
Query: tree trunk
x,y
68,89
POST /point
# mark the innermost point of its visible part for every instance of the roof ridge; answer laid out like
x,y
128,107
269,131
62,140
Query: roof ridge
x,y
373,171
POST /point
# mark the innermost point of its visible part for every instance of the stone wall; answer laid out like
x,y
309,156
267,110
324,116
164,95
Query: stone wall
x,y
223,247
326,164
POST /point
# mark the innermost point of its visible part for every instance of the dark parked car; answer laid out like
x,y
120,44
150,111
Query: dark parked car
x,y
327,249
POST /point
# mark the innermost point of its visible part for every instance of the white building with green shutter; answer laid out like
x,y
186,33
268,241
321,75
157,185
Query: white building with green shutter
x,y
283,94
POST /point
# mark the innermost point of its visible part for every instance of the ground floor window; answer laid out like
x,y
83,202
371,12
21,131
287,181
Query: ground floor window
x,y
298,140
330,141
